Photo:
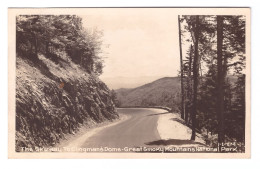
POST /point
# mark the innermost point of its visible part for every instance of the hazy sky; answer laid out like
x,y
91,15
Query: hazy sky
x,y
142,42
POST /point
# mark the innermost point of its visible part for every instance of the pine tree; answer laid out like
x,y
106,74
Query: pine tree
x,y
181,67
195,78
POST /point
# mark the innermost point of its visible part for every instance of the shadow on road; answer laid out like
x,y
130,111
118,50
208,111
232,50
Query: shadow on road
x,y
172,142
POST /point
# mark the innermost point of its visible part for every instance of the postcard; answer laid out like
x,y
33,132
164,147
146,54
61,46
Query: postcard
x,y
129,82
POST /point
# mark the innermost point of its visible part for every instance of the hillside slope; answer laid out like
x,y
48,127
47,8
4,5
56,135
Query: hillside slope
x,y
56,97
162,92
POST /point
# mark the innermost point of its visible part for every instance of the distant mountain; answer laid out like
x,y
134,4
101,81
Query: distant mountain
x,y
162,92
128,82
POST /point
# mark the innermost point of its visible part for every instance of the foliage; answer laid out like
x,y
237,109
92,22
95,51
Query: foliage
x,y
233,72
57,88
114,98
49,34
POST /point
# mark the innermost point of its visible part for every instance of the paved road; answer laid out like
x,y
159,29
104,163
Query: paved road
x,y
138,129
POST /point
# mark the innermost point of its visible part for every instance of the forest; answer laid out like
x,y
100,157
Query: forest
x,y
51,34
212,73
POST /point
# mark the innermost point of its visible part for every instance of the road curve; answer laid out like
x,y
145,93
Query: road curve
x,y
138,129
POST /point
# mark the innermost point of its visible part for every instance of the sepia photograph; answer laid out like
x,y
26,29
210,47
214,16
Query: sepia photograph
x,y
129,83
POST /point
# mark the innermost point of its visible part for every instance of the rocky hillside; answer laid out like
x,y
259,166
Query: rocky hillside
x,y
57,84
54,98
162,92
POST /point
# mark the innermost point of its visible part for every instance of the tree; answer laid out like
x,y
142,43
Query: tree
x,y
195,78
201,32
51,34
187,71
234,51
181,67
114,98
220,80
238,110
219,102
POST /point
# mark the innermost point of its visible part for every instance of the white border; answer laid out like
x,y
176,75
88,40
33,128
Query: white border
x,y
79,11
255,27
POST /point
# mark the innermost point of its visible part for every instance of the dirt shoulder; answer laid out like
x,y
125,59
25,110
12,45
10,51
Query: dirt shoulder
x,y
174,132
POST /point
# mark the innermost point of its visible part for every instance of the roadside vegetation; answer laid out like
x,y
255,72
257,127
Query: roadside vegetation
x,y
210,93
57,84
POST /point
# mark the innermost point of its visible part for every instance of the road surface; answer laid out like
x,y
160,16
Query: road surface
x,y
140,128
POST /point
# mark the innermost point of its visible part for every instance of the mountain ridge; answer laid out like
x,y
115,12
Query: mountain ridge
x,y
119,82
161,92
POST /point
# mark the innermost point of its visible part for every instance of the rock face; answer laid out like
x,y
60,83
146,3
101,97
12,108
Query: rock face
x,y
56,98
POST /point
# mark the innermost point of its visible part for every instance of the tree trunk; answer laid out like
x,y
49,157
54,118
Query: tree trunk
x,y
181,67
187,111
220,80
195,80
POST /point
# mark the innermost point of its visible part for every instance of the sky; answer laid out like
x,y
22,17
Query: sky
x,y
137,42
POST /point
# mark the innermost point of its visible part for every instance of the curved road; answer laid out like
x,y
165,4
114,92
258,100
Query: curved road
x,y
140,128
